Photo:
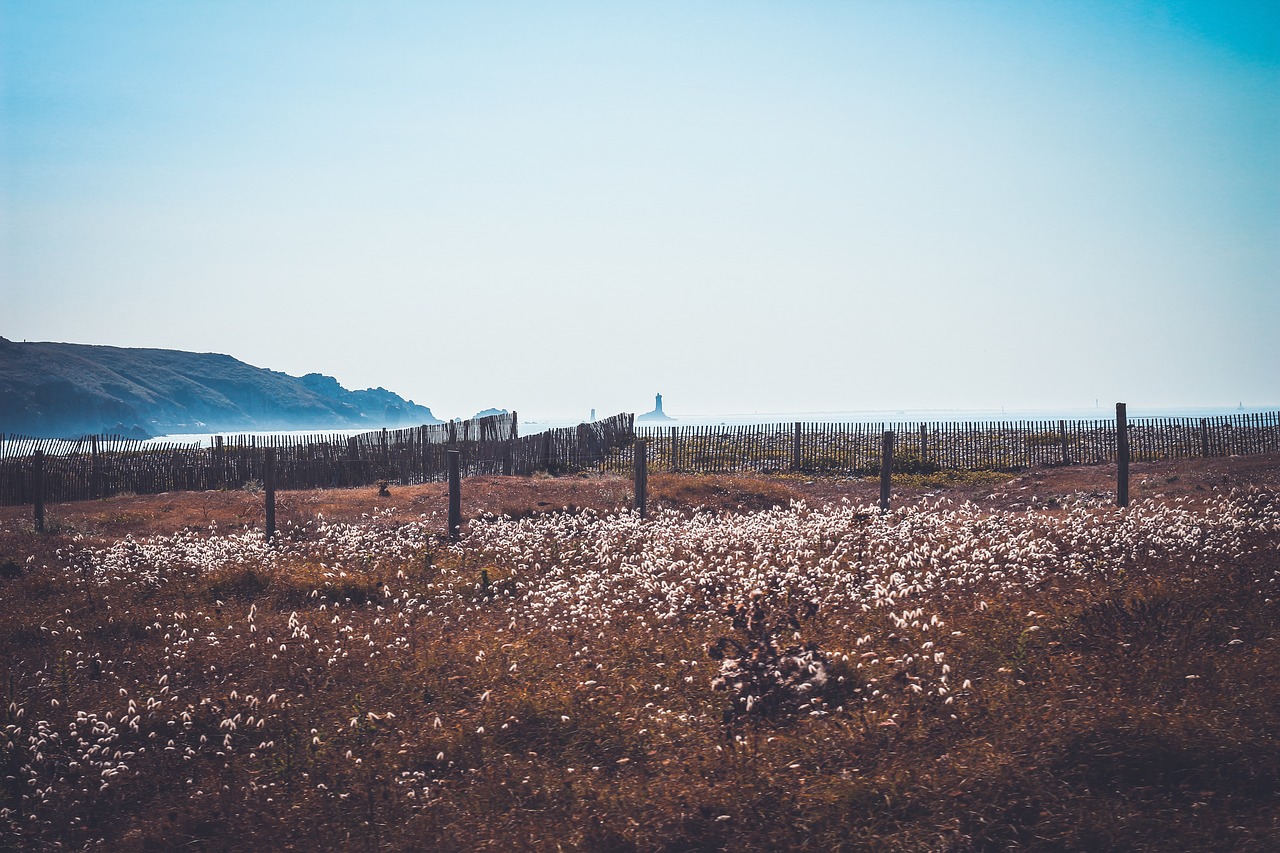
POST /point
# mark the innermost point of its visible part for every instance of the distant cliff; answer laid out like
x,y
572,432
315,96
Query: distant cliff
x,y
52,389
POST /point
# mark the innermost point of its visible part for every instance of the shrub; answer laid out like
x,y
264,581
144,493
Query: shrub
x,y
766,681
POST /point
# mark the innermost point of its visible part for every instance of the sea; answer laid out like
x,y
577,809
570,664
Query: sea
x,y
865,416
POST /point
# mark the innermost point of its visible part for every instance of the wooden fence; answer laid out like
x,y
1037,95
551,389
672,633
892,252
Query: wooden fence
x,y
850,448
103,466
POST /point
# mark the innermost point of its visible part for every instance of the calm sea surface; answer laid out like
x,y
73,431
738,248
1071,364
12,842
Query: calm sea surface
x,y
533,427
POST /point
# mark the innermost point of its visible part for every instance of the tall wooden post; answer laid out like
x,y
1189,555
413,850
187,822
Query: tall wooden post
x,y
673,449
1122,455
269,486
455,492
508,452
1204,437
37,488
642,477
1062,435
795,446
886,467
924,446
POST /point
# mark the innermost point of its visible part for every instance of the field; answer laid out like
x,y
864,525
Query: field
x,y
763,664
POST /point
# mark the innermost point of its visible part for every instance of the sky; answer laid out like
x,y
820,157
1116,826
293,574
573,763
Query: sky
x,y
746,206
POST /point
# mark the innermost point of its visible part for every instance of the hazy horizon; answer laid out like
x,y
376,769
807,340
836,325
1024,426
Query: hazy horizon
x,y
550,208
531,426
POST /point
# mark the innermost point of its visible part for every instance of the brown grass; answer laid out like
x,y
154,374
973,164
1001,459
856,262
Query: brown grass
x,y
1137,713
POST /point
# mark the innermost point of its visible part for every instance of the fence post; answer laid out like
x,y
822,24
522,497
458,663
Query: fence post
x,y
219,463
37,484
507,452
269,486
95,470
455,492
886,467
1062,434
1122,455
673,449
1204,437
642,477
424,452
795,447
924,446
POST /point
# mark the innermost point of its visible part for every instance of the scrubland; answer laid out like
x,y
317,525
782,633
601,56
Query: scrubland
x,y
1011,663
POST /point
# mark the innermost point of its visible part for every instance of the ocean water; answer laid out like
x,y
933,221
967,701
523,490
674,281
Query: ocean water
x,y
887,416
869,416
205,439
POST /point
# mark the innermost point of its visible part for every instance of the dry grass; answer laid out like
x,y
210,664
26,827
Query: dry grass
x,y
1023,668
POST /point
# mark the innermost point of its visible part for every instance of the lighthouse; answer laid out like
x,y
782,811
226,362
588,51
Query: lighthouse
x,y
657,414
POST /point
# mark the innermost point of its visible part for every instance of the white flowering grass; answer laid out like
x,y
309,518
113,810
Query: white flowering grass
x,y
558,672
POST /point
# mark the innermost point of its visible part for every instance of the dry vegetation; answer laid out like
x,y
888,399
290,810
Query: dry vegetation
x,y
764,664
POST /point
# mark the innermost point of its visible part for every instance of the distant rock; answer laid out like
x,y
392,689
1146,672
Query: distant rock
x,y
489,413
393,409
119,430
56,389
134,431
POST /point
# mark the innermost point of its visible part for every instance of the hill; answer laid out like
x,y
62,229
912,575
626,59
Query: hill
x,y
56,389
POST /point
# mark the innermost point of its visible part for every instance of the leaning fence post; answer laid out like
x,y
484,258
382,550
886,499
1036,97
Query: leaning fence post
x,y
269,486
1062,434
37,488
886,467
455,492
1122,455
1204,438
795,446
642,477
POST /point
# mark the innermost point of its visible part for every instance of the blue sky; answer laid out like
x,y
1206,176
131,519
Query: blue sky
x,y
552,207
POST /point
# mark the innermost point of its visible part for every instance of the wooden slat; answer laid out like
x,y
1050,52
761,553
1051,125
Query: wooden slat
x,y
75,472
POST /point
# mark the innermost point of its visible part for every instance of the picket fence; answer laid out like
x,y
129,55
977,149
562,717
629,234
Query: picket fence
x,y
103,466
855,448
